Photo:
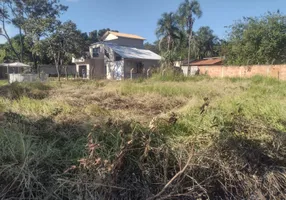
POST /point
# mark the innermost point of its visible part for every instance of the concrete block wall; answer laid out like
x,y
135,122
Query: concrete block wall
x,y
275,71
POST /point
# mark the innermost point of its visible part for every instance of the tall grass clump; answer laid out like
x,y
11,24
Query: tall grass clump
x,y
236,145
33,155
36,108
35,90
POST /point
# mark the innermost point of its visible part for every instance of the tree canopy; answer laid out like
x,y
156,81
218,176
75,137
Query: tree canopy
x,y
257,40
33,18
205,43
252,40
95,36
168,30
64,43
178,41
42,37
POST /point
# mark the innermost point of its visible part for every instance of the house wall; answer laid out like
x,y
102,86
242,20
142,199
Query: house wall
x,y
275,71
101,54
110,37
11,70
115,70
128,42
51,70
185,70
132,63
189,70
26,78
3,71
97,69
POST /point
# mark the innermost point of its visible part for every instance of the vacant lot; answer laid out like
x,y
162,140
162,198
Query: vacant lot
x,y
198,138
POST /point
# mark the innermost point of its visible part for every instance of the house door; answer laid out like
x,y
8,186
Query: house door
x,y
82,71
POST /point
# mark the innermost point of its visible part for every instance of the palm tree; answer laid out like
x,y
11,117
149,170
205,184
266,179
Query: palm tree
x,y
168,30
187,12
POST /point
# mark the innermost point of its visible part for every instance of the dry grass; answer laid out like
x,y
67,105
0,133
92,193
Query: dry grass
x,y
199,138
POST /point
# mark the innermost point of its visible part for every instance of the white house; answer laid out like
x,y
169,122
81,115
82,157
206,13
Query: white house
x,y
118,56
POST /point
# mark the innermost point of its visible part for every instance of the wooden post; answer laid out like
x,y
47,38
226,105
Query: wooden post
x,y
222,75
8,73
148,72
131,71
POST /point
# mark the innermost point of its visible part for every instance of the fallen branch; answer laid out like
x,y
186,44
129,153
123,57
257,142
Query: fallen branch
x,y
174,178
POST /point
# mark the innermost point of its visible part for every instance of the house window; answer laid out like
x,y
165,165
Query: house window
x,y
95,52
117,57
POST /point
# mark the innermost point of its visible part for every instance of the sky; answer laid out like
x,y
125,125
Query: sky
x,y
140,16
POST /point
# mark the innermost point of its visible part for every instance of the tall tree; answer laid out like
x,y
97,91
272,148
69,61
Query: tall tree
x,y
188,11
65,42
33,18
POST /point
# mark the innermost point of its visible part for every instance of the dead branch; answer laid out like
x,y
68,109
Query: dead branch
x,y
174,178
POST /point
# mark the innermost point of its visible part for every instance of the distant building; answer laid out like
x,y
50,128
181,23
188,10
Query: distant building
x,y
119,56
193,67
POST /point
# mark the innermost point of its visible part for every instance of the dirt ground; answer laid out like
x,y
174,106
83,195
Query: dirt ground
x,y
108,101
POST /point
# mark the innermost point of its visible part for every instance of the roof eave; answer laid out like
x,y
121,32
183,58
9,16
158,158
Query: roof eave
x,y
141,59
131,38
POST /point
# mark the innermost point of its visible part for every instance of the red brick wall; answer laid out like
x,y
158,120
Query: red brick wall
x,y
276,71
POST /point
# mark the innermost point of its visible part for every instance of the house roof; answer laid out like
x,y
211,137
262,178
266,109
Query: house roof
x,y
133,53
125,35
210,61
15,64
